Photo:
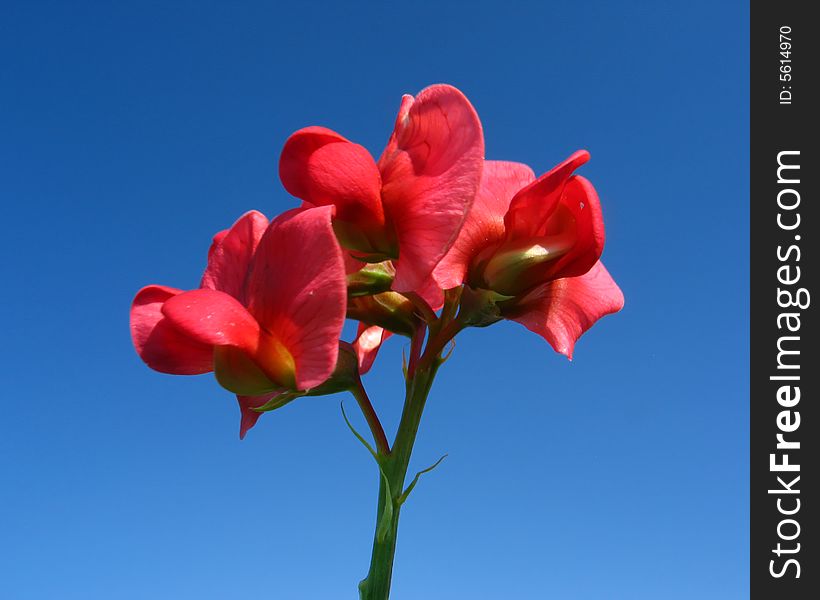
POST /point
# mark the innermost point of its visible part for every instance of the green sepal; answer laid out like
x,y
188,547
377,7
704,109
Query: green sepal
x,y
386,518
278,401
479,307
343,378
345,375
237,373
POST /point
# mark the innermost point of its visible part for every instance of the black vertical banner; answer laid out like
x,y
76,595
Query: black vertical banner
x,y
785,225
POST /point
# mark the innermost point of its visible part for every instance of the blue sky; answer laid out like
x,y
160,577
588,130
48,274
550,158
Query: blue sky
x,y
130,134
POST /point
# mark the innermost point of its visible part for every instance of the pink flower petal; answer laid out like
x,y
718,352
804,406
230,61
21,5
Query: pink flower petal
x,y
215,243
323,168
231,252
213,317
369,340
159,344
431,292
430,172
296,154
562,310
532,207
297,291
484,226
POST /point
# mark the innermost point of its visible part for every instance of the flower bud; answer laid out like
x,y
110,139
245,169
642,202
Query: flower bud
x,y
388,310
372,279
480,307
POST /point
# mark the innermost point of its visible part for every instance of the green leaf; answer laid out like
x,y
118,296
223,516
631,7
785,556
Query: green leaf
x,y
359,437
386,518
413,483
451,345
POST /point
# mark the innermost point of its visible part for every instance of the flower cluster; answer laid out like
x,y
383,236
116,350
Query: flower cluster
x,y
430,227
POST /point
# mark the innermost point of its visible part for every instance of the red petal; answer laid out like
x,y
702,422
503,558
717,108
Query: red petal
x,y
369,340
430,172
160,345
250,417
297,290
231,252
562,310
484,226
215,242
213,317
296,153
322,168
352,264
431,292
580,206
532,207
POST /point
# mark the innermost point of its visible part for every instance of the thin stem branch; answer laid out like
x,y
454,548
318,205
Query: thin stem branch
x,y
452,297
416,345
436,345
382,445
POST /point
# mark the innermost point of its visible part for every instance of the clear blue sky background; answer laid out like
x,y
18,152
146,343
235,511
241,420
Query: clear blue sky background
x,y
128,135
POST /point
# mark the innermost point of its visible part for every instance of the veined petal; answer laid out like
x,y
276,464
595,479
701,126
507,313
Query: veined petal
x,y
369,340
431,292
159,344
430,172
532,207
214,318
562,310
231,252
297,291
484,226
323,168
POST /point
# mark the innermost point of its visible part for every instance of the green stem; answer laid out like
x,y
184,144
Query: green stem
x,y
376,586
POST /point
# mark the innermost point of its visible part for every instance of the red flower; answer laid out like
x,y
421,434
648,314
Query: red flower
x,y
411,204
268,314
537,242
